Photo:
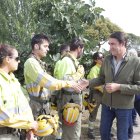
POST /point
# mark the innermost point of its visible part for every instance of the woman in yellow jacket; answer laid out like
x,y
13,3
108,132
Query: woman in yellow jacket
x,y
15,112
96,93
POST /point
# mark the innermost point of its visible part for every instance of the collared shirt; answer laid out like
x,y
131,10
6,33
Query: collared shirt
x,y
15,111
117,64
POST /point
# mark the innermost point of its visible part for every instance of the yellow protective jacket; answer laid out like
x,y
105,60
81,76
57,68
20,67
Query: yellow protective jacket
x,y
69,69
94,73
15,111
57,70
37,80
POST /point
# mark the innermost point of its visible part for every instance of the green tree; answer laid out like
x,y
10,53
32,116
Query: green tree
x,y
16,27
133,40
64,19
16,24
99,32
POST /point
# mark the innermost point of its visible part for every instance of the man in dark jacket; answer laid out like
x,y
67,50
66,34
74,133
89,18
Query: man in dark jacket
x,y
120,74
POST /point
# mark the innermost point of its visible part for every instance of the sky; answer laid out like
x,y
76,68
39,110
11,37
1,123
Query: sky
x,y
124,13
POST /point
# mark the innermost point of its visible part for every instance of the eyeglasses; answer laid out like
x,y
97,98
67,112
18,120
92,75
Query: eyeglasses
x,y
16,58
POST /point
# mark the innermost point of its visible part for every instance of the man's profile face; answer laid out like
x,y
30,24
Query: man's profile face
x,y
43,48
80,52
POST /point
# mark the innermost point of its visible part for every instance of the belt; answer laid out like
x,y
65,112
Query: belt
x,y
69,93
37,99
7,130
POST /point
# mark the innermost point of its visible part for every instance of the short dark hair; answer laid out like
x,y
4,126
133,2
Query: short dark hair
x,y
120,36
75,43
64,47
5,50
97,55
38,38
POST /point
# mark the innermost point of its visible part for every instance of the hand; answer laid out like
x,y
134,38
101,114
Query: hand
x,y
112,87
83,83
80,69
34,126
30,135
76,86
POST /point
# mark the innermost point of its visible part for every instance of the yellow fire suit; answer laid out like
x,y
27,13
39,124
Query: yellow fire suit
x,y
15,111
69,69
39,84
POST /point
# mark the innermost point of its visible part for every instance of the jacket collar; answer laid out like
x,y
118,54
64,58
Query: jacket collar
x,y
7,76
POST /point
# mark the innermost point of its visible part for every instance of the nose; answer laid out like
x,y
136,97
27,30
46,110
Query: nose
x,y
48,49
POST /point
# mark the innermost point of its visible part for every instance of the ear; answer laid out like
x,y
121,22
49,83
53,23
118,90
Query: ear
x,y
36,47
6,60
79,48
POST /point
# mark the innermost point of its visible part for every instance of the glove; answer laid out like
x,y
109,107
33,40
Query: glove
x,y
81,70
79,74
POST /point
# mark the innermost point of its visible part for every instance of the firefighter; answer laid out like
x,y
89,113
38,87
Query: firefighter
x,y
15,112
38,81
95,93
64,49
71,70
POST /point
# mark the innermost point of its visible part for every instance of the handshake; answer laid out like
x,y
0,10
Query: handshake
x,y
80,85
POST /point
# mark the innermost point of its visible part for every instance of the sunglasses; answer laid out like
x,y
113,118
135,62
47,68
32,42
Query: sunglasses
x,y
100,58
16,58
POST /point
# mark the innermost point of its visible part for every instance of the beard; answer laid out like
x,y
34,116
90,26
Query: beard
x,y
79,54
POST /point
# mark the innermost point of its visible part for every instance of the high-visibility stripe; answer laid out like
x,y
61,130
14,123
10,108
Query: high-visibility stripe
x,y
72,118
67,117
5,116
14,108
31,85
45,129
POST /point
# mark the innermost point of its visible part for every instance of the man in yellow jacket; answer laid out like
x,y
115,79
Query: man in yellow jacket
x,y
71,70
64,49
38,81
15,112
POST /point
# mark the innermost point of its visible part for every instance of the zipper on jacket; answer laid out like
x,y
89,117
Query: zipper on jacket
x,y
115,75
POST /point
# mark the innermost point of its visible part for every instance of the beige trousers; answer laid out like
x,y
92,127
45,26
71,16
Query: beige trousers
x,y
70,132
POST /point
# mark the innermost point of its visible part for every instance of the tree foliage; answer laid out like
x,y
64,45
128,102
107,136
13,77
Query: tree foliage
x,y
99,32
133,40
60,19
64,19
16,23
16,26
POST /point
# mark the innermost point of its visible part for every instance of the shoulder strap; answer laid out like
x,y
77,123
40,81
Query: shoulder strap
x,y
43,65
68,55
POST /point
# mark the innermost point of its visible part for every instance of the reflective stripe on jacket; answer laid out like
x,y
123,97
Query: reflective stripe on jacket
x,y
15,111
39,81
